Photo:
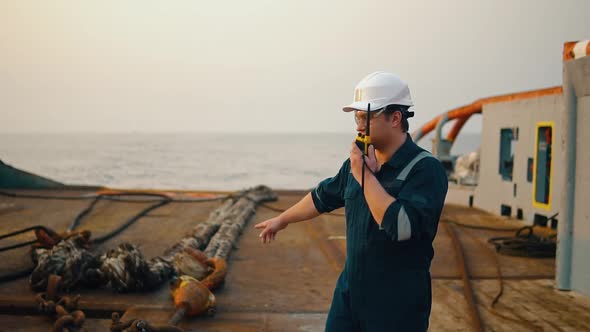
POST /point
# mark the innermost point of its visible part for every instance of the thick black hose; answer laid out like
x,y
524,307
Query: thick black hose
x,y
21,231
15,275
83,214
523,244
129,222
18,245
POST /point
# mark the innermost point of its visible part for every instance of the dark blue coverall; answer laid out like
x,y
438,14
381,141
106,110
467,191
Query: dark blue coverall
x,y
385,284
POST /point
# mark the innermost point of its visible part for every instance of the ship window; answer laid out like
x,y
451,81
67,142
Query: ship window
x,y
506,153
542,167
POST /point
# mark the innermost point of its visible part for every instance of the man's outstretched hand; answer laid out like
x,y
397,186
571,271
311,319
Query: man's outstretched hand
x,y
270,228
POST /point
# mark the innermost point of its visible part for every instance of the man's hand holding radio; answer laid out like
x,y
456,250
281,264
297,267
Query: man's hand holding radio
x,y
356,161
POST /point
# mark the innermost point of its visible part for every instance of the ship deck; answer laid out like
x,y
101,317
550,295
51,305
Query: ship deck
x,y
288,285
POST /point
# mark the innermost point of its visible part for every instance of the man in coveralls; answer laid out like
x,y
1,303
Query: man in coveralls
x,y
390,225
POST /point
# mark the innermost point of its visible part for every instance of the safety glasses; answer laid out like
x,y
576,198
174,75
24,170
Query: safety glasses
x,y
361,116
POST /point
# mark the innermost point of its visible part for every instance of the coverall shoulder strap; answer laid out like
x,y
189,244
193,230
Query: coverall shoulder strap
x,y
404,173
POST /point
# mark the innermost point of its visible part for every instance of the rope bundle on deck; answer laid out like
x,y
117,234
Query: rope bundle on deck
x,y
125,269
69,258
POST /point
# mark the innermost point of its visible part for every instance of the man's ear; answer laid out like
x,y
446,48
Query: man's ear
x,y
396,119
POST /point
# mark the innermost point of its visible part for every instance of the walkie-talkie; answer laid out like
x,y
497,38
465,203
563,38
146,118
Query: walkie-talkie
x,y
363,142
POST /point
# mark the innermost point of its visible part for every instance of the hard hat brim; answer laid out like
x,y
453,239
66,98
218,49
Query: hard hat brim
x,y
362,106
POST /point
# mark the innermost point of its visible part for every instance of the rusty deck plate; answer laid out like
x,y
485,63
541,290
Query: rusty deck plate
x,y
284,286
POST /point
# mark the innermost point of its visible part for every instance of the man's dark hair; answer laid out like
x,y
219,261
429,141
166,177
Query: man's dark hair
x,y
390,109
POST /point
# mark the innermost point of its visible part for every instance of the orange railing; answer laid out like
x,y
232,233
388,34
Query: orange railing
x,y
463,113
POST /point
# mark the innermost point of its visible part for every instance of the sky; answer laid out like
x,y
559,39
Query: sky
x,y
265,66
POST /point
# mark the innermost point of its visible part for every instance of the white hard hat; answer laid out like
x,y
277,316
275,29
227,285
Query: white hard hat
x,y
380,89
